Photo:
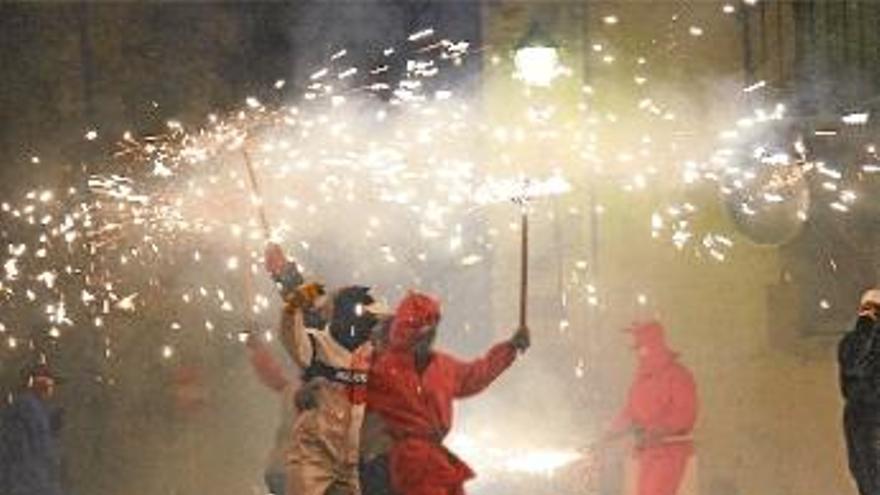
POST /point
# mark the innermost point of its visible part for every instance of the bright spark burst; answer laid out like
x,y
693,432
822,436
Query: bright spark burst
x,y
183,198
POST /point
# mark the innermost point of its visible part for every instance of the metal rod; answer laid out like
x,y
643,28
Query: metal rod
x,y
255,189
524,267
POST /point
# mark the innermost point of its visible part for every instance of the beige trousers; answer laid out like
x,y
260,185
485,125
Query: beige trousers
x,y
323,453
311,475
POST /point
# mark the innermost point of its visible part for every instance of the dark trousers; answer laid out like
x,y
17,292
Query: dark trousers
x,y
275,482
861,424
375,477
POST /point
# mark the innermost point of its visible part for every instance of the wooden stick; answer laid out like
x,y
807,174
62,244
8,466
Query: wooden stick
x,y
524,266
255,189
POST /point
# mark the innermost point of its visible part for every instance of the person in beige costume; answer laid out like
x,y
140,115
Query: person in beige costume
x,y
324,451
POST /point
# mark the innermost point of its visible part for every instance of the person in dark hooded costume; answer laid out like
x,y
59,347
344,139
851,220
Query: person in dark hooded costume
x,y
335,356
30,462
859,361
412,386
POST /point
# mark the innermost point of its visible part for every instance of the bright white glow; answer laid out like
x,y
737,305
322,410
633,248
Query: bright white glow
x,y
499,191
11,268
127,303
512,458
856,118
232,263
537,65
754,87
541,461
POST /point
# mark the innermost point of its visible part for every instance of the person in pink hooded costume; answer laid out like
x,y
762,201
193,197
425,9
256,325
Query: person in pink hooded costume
x,y
413,388
660,411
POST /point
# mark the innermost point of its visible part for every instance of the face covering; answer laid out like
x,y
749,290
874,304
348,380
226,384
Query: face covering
x,y
350,325
865,324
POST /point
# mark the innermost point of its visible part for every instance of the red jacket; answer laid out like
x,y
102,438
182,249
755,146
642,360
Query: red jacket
x,y
418,408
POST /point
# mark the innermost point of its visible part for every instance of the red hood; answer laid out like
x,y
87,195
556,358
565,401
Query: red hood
x,y
415,314
650,339
648,334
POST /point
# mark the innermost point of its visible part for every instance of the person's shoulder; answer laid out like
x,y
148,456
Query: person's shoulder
x,y
8,408
25,399
22,404
681,370
444,358
387,358
850,337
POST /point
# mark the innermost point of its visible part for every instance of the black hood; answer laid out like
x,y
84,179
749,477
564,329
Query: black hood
x,y
350,324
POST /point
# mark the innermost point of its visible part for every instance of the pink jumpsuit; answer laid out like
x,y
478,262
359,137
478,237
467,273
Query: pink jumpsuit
x,y
662,404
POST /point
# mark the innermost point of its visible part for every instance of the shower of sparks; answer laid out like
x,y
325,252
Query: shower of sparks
x,y
127,238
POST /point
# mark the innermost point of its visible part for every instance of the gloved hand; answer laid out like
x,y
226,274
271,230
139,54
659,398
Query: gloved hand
x,y
304,296
522,339
274,259
648,438
306,397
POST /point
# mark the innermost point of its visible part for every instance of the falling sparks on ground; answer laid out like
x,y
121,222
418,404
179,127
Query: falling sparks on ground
x,y
532,461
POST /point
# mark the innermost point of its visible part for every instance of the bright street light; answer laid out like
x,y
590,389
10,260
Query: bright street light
x,y
536,59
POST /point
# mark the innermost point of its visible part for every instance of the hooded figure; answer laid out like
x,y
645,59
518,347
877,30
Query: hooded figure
x,y
323,457
413,387
661,410
30,462
335,356
859,362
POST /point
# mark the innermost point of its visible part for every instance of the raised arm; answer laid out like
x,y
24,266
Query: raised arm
x,y
297,296
473,377
295,336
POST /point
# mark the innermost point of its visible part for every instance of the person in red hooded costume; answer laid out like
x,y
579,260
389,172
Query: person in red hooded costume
x,y
412,386
660,411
